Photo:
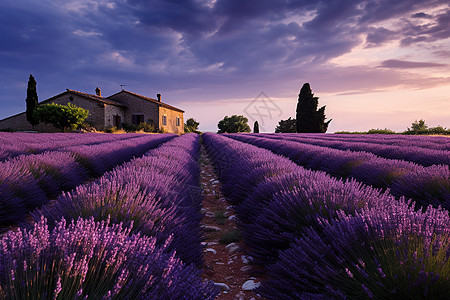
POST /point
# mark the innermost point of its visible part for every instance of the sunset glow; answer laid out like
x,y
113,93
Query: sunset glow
x,y
374,64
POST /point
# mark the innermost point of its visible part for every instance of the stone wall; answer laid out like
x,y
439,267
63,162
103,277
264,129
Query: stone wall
x,y
101,115
110,112
96,114
137,105
19,123
171,120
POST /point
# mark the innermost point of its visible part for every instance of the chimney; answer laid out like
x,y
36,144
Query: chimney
x,y
98,92
158,96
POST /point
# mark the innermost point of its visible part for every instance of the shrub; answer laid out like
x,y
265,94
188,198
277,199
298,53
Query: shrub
x,y
61,116
146,127
380,131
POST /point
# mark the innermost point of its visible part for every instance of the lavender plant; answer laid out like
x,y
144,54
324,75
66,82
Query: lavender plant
x,y
368,168
157,193
88,259
20,143
29,181
389,253
284,217
276,199
421,151
18,192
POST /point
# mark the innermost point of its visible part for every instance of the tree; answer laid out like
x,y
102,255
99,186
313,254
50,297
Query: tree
x,y
191,125
256,127
438,130
417,127
233,124
309,119
286,126
31,101
61,116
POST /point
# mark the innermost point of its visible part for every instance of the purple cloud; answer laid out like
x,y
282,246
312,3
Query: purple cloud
x,y
404,64
200,45
422,15
379,36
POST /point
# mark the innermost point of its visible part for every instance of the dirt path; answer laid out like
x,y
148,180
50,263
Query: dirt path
x,y
225,261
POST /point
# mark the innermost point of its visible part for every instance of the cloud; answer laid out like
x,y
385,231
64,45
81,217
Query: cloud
x,y
422,15
442,53
207,49
377,36
437,28
404,64
86,33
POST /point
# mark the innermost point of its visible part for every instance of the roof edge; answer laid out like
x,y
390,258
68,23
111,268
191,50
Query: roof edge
x,y
150,99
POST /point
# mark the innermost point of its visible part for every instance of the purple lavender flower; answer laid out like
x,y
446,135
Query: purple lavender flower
x,y
29,181
399,260
158,194
93,259
365,167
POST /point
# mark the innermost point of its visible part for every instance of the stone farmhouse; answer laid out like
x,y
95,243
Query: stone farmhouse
x,y
105,112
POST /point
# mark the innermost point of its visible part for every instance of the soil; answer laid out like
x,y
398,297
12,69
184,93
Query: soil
x,y
224,263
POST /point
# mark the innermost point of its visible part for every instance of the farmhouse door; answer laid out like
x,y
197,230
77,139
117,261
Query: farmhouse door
x,y
117,122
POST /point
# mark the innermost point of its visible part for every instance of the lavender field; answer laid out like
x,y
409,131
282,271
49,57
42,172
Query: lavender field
x,y
102,216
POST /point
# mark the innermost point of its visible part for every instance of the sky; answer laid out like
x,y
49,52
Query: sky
x,y
373,63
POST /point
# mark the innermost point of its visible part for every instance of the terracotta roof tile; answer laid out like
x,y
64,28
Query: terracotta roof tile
x,y
87,96
97,98
150,99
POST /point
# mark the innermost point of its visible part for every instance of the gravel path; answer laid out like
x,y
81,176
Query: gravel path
x,y
225,260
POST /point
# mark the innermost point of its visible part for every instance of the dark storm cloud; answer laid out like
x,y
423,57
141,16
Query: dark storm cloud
x,y
176,45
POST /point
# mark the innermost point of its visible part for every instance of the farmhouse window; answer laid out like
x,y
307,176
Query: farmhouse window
x,y
137,119
164,120
178,121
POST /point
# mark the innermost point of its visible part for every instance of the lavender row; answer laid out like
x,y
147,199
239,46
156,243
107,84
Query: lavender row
x,y
29,181
421,156
427,142
396,253
156,197
159,193
425,185
274,197
324,238
93,260
15,144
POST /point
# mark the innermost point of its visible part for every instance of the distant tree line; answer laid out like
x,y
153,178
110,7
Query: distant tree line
x,y
417,128
310,118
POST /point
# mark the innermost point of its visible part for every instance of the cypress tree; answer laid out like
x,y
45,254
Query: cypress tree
x,y
256,127
31,101
308,118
